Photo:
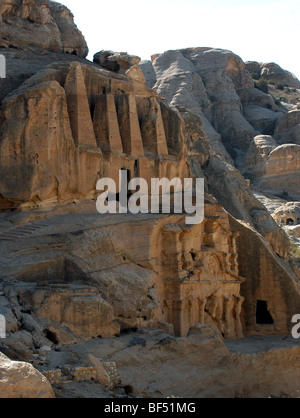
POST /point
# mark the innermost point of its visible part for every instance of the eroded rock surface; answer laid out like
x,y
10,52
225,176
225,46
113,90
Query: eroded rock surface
x,y
274,168
215,85
74,120
40,25
22,380
288,128
273,72
288,214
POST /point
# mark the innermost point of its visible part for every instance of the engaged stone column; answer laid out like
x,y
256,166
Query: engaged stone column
x,y
79,108
229,303
202,305
129,125
106,124
215,311
238,310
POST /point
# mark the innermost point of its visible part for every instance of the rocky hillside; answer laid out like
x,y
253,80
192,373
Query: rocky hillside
x,y
240,106
219,87
90,300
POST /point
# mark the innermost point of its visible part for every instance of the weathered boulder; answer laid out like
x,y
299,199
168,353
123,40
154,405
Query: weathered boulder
x,y
101,376
272,73
258,155
22,380
122,63
40,24
274,168
116,61
287,129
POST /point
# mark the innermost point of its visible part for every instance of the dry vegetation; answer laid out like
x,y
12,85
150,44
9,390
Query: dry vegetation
x,y
284,94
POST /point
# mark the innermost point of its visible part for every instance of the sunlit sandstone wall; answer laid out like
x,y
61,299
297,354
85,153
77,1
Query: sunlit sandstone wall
x,y
76,124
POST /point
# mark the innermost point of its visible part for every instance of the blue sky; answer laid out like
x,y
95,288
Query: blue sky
x,y
261,30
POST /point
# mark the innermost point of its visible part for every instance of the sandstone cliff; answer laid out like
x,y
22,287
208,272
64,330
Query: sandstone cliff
x,y
40,25
71,127
217,98
73,281
215,85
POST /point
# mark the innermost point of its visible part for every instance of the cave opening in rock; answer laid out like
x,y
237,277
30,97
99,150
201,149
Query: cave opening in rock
x,y
290,221
263,316
51,336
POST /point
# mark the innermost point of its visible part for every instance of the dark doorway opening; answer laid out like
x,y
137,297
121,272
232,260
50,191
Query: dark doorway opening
x,y
136,168
51,336
124,185
290,221
263,316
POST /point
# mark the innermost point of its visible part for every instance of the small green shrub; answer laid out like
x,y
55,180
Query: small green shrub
x,y
256,75
279,86
294,250
262,85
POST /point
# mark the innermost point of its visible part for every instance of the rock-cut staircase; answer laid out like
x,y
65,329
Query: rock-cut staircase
x,y
17,233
